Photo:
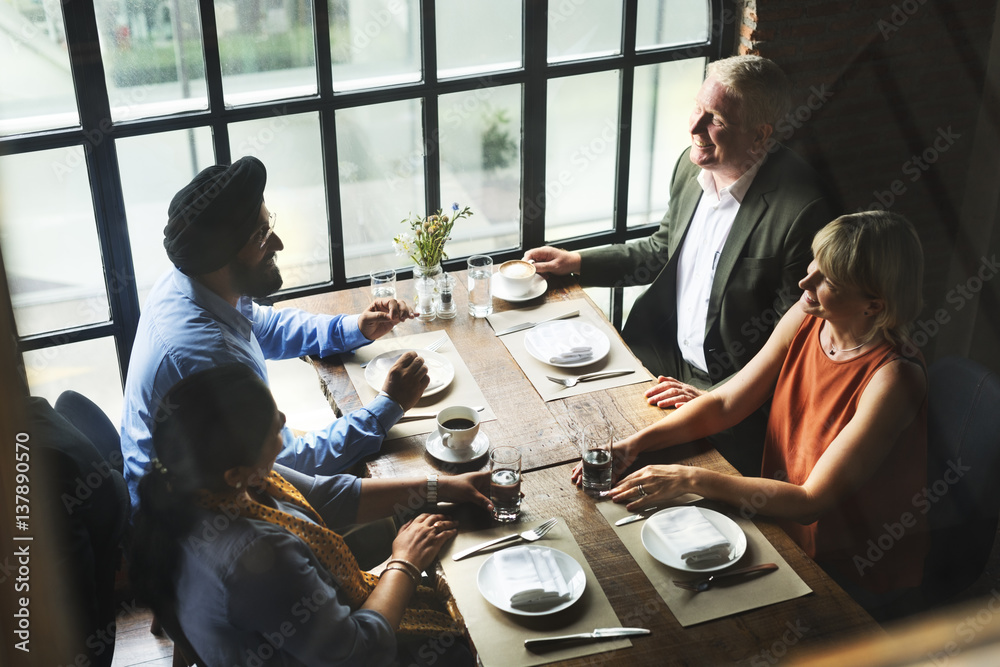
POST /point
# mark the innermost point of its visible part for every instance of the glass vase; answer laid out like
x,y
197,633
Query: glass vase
x,y
425,280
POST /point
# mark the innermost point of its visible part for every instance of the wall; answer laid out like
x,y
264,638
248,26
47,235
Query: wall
x,y
889,94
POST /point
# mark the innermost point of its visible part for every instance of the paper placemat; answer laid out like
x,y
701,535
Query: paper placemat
x,y
499,636
463,390
691,608
618,357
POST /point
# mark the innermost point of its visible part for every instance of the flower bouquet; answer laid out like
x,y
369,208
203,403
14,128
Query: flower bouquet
x,y
424,244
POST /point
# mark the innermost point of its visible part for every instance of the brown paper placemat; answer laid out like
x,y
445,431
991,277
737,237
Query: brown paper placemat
x,y
463,390
618,357
692,608
499,636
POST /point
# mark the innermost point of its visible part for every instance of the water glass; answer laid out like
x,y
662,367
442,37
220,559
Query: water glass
x,y
384,284
505,483
595,448
480,288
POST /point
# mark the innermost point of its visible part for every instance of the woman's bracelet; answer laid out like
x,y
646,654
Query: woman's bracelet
x,y
400,569
411,569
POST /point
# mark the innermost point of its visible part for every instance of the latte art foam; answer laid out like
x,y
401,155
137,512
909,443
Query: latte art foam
x,y
517,269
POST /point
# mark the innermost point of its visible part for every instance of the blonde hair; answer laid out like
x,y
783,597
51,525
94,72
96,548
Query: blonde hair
x,y
879,254
758,84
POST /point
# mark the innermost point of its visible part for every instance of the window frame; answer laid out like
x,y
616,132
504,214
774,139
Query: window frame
x,y
98,137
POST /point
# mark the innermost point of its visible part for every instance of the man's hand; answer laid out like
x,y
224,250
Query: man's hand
x,y
407,380
554,261
380,317
671,393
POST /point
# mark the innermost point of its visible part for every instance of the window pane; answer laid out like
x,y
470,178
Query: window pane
x,y
381,159
582,140
153,62
671,22
374,43
153,168
662,101
290,148
49,238
36,87
90,367
584,30
481,166
267,50
475,37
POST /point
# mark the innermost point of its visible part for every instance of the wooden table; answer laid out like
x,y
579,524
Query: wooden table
x,y
546,434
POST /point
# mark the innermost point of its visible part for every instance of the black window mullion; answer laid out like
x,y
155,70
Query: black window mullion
x,y
87,68
328,138
213,82
533,112
429,111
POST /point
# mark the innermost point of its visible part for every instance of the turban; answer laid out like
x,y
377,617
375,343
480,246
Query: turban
x,y
212,217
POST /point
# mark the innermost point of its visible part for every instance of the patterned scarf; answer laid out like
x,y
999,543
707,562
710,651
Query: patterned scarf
x,y
419,619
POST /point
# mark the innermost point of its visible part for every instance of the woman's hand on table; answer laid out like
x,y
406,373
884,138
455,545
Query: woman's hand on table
x,y
651,485
624,454
382,316
471,487
407,380
671,393
419,541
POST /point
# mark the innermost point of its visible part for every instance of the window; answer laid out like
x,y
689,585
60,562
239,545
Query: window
x,y
555,121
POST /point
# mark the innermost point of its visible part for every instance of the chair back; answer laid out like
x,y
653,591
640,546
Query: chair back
x,y
91,420
962,496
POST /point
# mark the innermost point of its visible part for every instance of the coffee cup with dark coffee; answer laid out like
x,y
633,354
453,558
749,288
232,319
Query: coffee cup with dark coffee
x,y
517,276
458,426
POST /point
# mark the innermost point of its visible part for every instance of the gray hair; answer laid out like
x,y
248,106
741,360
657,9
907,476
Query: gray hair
x,y
758,84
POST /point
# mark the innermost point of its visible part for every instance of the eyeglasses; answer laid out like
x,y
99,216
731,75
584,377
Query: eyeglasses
x,y
271,219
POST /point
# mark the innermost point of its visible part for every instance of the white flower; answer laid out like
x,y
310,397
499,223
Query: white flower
x,y
403,245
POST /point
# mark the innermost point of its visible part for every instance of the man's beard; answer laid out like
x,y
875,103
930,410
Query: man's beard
x,y
257,281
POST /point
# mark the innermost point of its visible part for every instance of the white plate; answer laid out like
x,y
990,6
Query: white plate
x,y
437,449
491,584
546,340
665,553
538,287
439,369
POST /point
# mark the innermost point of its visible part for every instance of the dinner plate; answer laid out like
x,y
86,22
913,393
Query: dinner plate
x,y
664,552
538,287
436,448
550,338
439,369
491,584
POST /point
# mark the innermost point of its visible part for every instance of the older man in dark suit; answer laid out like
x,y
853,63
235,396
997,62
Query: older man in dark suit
x,y
724,264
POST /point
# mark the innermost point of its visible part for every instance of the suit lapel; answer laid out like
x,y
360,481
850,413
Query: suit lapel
x,y
687,201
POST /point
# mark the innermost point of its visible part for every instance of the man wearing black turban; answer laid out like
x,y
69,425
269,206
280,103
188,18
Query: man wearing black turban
x,y
220,237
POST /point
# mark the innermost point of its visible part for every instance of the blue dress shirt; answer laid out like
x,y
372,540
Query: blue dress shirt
x,y
186,327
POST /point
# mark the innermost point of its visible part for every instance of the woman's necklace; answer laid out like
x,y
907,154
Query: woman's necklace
x,y
834,350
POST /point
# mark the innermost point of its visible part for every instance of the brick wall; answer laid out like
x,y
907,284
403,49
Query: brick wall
x,y
888,94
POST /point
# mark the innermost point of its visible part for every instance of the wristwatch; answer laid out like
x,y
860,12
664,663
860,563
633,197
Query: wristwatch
x,y
432,489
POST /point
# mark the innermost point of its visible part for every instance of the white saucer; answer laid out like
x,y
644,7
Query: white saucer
x,y
668,555
538,287
436,449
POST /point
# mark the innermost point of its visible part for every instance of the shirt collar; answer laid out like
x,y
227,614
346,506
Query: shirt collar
x,y
738,189
239,319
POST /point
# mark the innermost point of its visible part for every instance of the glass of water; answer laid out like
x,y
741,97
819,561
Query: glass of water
x,y
480,289
595,448
384,284
505,483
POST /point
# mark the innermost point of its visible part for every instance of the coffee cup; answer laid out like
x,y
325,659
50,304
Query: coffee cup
x,y
458,426
517,276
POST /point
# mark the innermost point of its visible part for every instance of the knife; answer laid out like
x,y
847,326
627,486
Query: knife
x,y
639,516
598,634
528,325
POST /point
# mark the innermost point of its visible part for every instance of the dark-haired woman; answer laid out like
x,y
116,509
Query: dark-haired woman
x,y
239,558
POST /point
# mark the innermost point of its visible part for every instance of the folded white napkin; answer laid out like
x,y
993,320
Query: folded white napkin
x,y
532,576
555,339
689,533
574,354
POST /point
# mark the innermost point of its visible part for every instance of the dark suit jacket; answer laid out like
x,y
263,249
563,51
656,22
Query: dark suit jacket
x,y
756,281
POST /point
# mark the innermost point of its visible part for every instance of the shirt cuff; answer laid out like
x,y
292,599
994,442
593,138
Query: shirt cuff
x,y
352,332
386,410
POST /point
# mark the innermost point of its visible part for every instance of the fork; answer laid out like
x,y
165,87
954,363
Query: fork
x,y
702,585
528,536
572,382
430,348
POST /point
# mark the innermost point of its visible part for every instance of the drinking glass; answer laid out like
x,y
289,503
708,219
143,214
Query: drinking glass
x,y
384,284
505,483
595,448
480,289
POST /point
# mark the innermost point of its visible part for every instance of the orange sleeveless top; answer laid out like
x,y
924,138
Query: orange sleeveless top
x,y
877,536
